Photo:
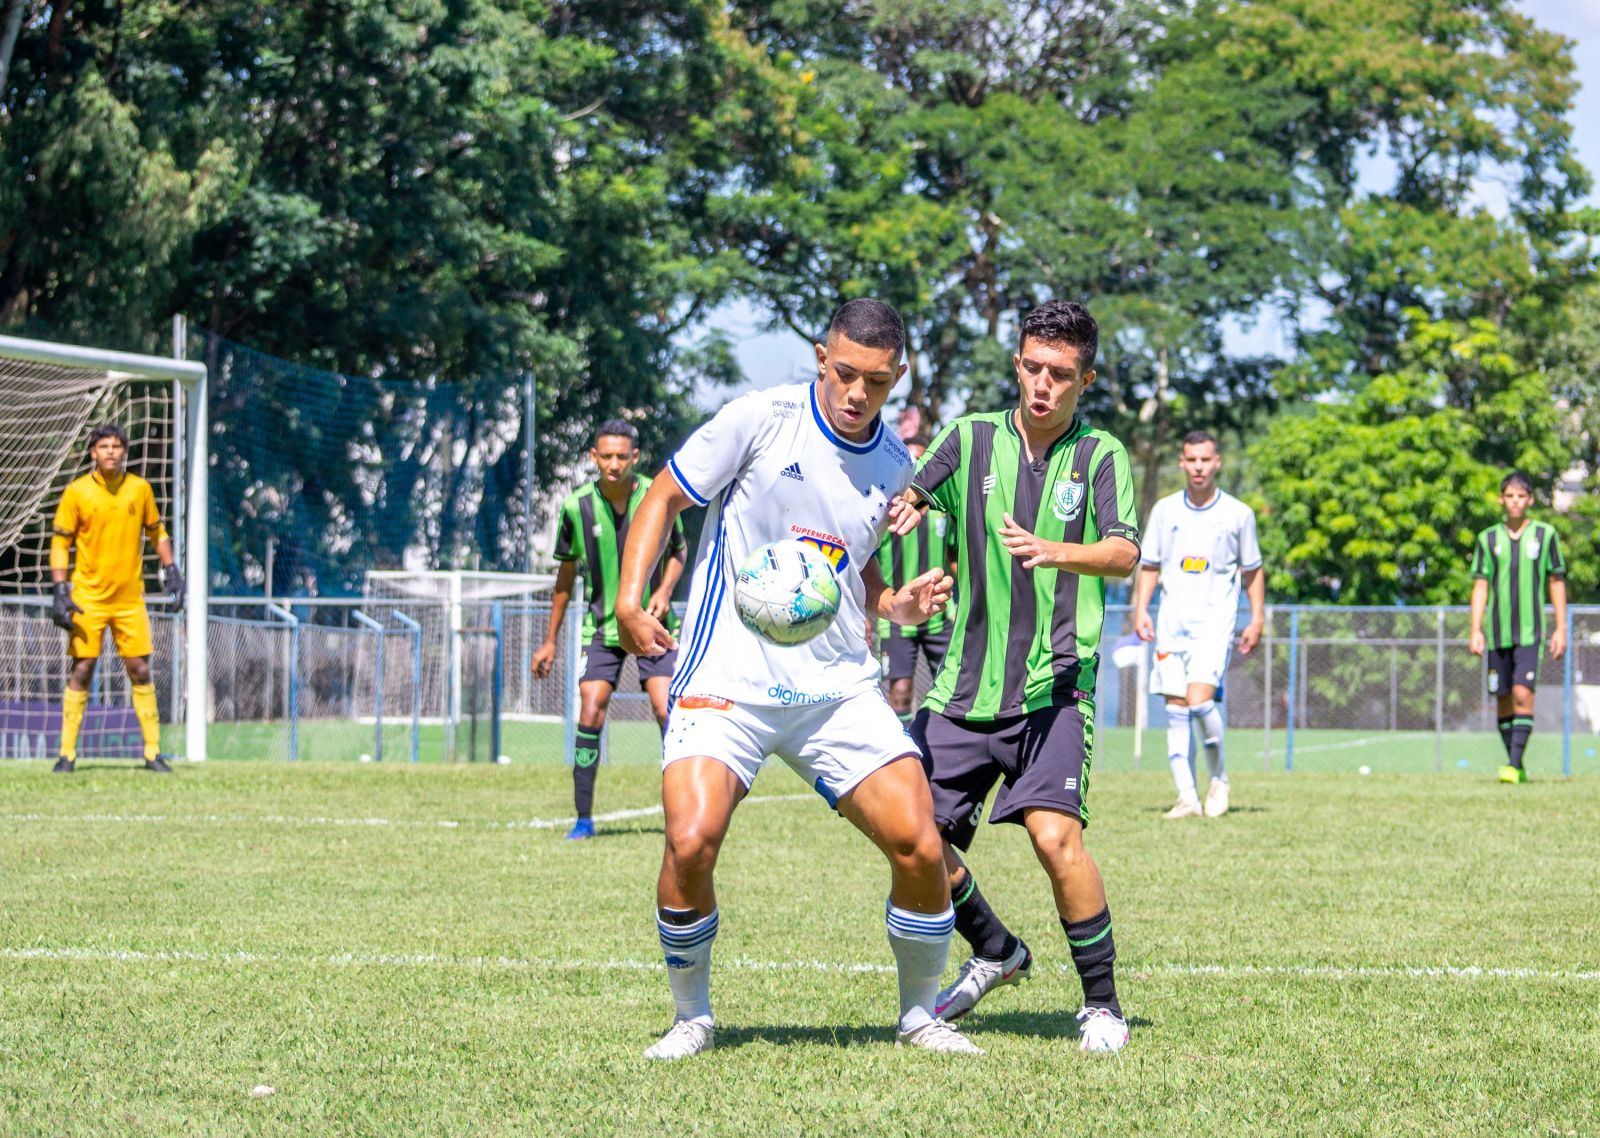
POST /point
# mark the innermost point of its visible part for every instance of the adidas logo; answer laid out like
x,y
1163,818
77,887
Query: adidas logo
x,y
793,471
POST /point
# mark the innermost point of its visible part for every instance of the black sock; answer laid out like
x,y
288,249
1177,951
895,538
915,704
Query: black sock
x,y
1504,723
585,765
1094,955
977,923
1521,728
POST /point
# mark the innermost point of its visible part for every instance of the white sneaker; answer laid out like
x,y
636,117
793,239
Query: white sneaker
x,y
1216,799
1101,1029
937,1035
687,1037
1186,808
979,977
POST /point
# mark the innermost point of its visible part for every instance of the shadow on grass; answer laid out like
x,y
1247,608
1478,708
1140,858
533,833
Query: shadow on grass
x,y
1035,1025
625,830
786,1034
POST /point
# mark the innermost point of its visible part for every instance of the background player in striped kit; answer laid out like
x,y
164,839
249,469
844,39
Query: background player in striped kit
x,y
1043,505
904,557
1513,562
1200,546
590,536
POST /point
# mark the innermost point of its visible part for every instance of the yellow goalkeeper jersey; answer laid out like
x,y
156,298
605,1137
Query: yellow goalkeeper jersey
x,y
104,520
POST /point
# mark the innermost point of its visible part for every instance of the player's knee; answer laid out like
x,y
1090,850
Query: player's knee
x,y
916,851
692,848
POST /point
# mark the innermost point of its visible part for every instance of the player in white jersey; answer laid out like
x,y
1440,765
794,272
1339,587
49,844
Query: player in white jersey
x,y
1201,545
811,462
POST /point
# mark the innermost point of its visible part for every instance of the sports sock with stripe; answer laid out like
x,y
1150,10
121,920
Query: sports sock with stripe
x,y
585,766
978,924
1208,717
1180,749
686,939
1094,954
1521,728
144,707
1504,724
921,945
72,705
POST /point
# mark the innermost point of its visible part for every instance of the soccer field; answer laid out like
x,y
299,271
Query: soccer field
x,y
417,950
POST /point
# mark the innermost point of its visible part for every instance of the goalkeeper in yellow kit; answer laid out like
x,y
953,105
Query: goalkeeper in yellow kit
x,y
104,514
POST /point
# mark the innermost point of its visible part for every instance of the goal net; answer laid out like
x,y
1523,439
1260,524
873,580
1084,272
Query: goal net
x,y
51,396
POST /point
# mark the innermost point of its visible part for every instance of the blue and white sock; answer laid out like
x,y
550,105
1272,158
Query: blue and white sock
x,y
921,944
1180,750
687,948
1208,717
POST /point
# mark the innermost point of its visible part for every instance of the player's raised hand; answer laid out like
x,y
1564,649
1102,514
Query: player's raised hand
x,y
641,633
904,514
544,658
921,597
1033,550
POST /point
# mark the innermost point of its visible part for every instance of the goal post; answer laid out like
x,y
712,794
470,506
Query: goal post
x,y
49,393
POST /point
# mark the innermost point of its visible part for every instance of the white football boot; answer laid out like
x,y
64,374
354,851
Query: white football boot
x,y
979,977
1186,808
937,1035
1216,799
687,1037
1101,1029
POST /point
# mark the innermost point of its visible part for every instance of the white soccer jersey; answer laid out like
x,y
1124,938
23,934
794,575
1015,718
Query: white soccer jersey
x,y
1201,553
769,467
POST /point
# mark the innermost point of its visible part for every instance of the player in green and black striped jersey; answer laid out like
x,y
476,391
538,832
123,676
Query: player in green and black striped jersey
x,y
589,539
903,558
1513,563
1044,512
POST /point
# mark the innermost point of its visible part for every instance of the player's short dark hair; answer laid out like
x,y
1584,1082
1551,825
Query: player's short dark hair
x,y
920,439
870,323
1517,478
1063,322
1195,438
108,431
619,428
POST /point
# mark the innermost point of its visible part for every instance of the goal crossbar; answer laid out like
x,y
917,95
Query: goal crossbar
x,y
191,376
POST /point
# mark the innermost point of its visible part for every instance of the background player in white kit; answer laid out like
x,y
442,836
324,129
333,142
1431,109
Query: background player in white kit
x,y
811,462
1201,544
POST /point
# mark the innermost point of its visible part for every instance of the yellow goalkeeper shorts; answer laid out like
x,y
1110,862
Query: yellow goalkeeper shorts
x,y
130,628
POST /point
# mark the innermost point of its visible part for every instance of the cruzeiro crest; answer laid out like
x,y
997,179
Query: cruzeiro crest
x,y
1067,499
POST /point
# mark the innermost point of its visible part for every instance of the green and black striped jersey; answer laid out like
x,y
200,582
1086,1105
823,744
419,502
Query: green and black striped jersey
x,y
1517,569
905,558
591,533
1023,639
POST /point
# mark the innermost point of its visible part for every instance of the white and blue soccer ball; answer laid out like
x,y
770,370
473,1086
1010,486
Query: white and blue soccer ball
x,y
787,592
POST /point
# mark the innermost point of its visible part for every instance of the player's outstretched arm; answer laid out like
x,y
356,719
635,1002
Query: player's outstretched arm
x,y
1480,601
912,603
641,633
1108,557
544,657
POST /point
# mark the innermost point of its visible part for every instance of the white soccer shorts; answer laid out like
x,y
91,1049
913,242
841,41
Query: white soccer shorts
x,y
1192,662
833,746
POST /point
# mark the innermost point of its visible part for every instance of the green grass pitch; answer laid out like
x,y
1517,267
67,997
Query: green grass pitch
x,y
403,950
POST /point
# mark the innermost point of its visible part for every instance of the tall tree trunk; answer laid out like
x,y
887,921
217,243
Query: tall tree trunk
x,y
10,27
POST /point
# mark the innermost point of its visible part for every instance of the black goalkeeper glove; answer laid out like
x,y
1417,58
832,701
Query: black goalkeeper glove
x,y
172,584
62,608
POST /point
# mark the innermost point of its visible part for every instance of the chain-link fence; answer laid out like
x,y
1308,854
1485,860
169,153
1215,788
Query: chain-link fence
x,y
406,679
1388,689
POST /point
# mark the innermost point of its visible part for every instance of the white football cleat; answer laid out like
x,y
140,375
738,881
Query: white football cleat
x,y
687,1037
979,977
1101,1029
1186,808
937,1035
1216,799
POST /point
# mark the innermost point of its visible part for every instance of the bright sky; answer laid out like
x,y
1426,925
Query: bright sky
x,y
767,358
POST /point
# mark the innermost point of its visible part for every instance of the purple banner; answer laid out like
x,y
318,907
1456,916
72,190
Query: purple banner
x,y
32,730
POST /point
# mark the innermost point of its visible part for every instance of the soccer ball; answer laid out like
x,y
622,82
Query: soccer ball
x,y
787,592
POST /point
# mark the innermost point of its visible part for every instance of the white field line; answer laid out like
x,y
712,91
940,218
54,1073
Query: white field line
x,y
288,820
1365,741
745,964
